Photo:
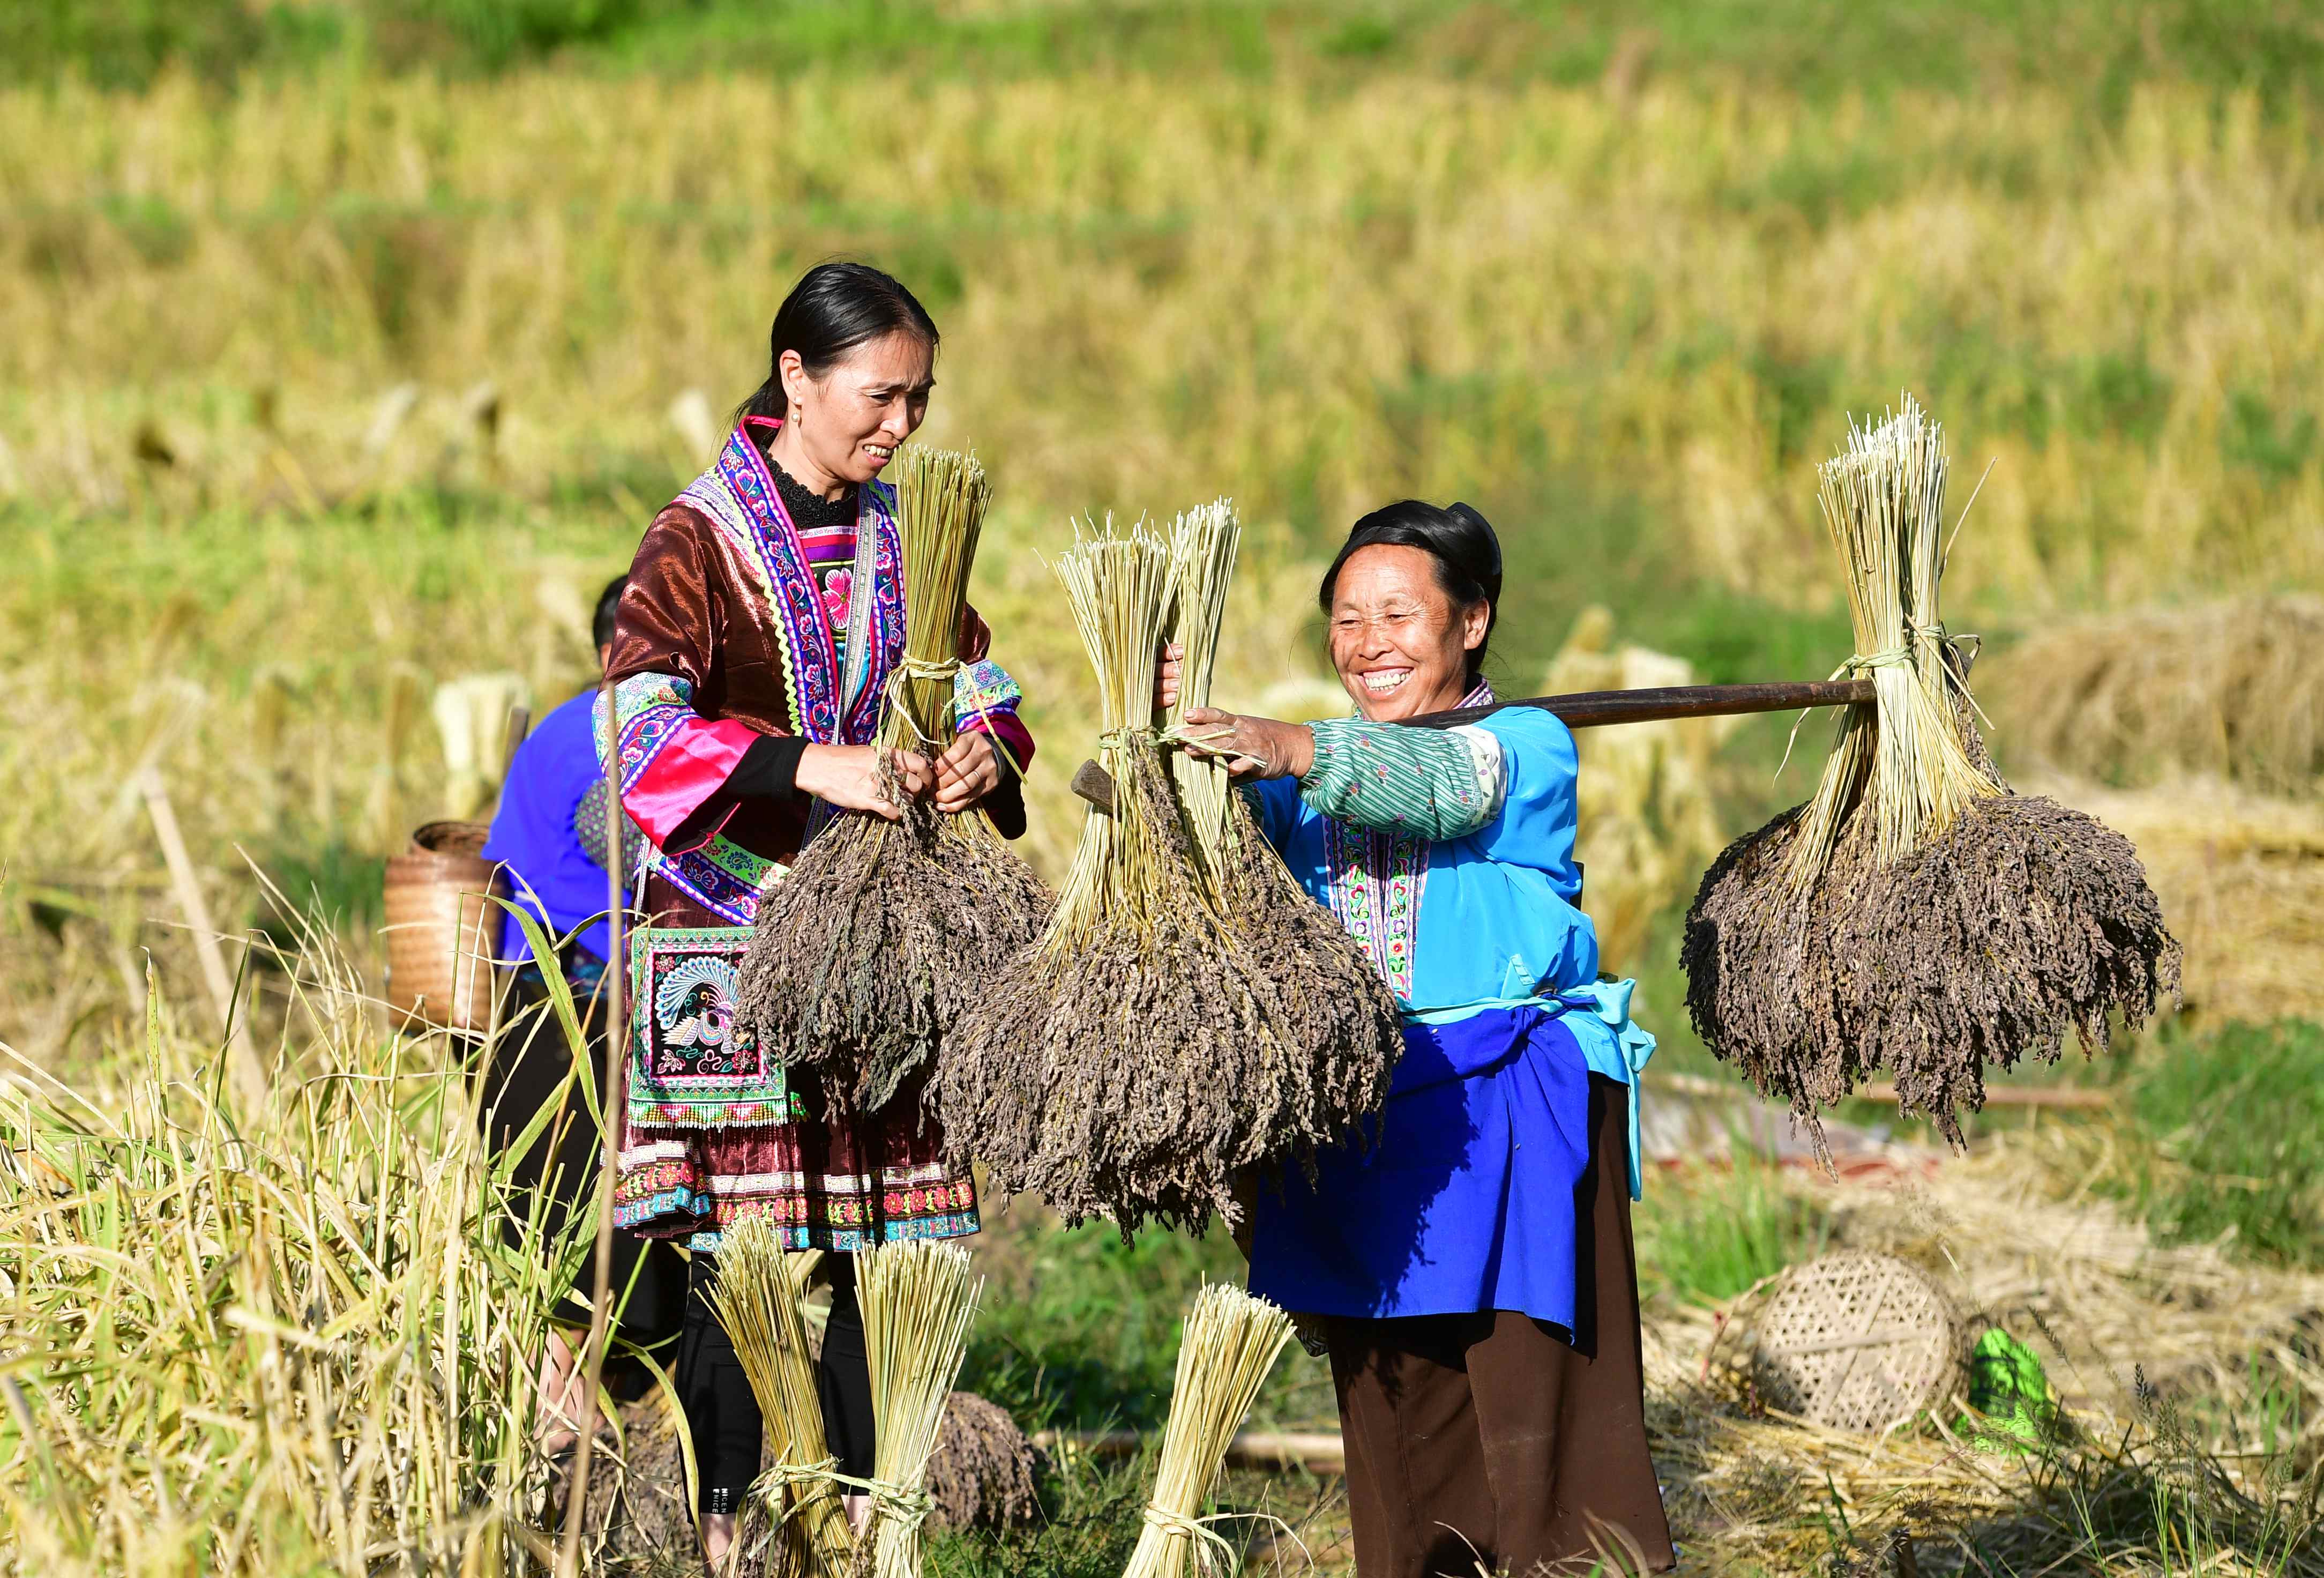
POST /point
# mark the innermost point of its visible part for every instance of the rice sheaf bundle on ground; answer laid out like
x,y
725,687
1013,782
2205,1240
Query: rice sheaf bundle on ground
x,y
756,1299
1228,1342
918,1299
1915,915
1331,1038
1100,1067
862,959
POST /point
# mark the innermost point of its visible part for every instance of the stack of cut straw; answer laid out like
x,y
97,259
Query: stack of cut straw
x,y
862,957
756,1299
1915,914
918,1299
1230,1342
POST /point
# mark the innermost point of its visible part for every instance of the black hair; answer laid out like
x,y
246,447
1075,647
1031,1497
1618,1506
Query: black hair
x,y
1468,557
609,601
835,308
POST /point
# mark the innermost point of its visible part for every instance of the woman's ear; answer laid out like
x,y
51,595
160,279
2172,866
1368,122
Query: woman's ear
x,y
796,382
1475,622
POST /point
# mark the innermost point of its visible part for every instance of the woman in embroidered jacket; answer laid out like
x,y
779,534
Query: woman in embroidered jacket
x,y
751,656
1472,1272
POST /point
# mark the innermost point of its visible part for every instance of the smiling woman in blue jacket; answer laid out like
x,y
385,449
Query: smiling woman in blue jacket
x,y
1471,1270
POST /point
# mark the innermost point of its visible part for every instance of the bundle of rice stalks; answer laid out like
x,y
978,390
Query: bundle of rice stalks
x,y
1099,1067
1321,1060
862,957
2231,689
1230,1342
918,1299
756,1299
1915,914
984,1470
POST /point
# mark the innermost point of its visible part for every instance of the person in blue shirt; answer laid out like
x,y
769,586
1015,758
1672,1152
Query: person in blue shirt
x,y
1471,1272
549,835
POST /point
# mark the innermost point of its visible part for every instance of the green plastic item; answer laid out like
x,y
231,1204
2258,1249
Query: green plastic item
x,y
2010,1393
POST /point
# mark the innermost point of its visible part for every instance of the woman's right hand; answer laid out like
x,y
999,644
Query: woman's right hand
x,y
848,776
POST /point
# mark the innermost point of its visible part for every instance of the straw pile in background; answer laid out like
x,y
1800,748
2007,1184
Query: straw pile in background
x,y
1914,915
864,955
1228,1342
1320,1060
2230,689
919,1300
1090,1071
757,1301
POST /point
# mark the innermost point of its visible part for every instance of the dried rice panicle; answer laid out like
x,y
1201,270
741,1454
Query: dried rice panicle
x,y
1330,1035
919,1300
866,953
1230,1342
1092,1070
1915,915
756,1299
984,1473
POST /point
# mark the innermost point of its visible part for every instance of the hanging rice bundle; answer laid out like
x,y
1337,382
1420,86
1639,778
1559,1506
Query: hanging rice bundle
x,y
918,1300
1229,1344
862,956
1100,1070
756,1299
1915,915
1330,1037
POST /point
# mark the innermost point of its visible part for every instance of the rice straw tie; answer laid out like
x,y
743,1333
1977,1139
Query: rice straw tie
x,y
1208,1541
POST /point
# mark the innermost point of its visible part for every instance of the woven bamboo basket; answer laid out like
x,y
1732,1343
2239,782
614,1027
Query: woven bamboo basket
x,y
1856,1340
442,926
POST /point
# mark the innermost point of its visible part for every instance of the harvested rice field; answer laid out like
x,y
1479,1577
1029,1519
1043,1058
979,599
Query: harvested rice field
x,y
345,348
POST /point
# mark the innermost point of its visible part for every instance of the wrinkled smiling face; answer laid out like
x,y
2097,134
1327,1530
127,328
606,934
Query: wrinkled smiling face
x,y
853,417
1400,646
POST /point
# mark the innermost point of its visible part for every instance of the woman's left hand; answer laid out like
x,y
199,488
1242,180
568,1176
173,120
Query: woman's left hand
x,y
1251,747
967,772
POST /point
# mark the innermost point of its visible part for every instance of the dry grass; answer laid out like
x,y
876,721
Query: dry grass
x,y
1310,300
288,1340
2190,1381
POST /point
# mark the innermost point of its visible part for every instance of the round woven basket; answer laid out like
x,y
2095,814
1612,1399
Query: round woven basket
x,y
442,926
1856,1340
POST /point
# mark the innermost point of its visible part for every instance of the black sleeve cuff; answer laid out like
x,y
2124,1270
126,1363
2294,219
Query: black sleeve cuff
x,y
768,769
1006,804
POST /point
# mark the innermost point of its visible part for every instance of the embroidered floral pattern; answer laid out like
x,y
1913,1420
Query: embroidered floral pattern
x,y
837,588
1377,877
742,504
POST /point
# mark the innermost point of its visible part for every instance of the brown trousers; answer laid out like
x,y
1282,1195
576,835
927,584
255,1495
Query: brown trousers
x,y
1496,1439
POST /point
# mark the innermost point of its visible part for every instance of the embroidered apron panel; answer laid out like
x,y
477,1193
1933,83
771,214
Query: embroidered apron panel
x,y
691,1066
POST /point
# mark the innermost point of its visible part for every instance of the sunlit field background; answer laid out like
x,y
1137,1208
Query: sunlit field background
x,y
347,348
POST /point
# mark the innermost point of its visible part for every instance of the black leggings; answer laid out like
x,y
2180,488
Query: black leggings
x,y
722,1415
